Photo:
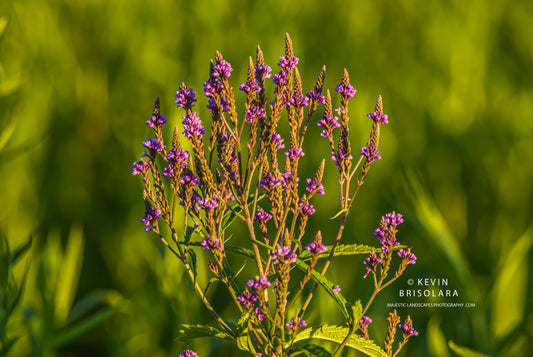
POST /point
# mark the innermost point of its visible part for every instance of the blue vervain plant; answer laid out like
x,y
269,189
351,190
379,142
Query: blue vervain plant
x,y
239,172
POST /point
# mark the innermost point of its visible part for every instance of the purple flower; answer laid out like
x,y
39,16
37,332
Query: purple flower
x,y
178,157
284,255
346,89
151,215
372,262
279,79
247,298
294,153
286,179
208,204
212,105
336,289
306,209
407,328
296,322
314,186
211,87
315,248
341,156
156,121
316,95
269,182
209,244
407,255
153,146
259,312
222,69
249,87
254,112
277,141
185,97
287,63
365,321
188,178
262,216
188,353
140,167
371,153
192,126
297,100
379,117
262,71
328,122
258,283
393,218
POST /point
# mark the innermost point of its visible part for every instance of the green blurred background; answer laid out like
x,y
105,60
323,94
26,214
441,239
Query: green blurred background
x,y
78,80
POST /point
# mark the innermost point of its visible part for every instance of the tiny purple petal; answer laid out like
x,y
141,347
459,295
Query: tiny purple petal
x,y
140,167
185,98
346,90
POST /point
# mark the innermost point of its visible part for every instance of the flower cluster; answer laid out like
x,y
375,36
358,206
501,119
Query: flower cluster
x,y
240,167
188,353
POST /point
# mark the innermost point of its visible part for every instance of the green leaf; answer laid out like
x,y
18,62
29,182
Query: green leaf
x,y
337,334
211,281
509,293
463,351
4,261
242,324
312,350
69,275
12,301
8,131
17,253
247,253
192,260
342,249
189,231
3,24
4,352
70,333
245,343
93,301
189,332
339,213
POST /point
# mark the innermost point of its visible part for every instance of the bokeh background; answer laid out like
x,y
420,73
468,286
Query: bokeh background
x,y
78,80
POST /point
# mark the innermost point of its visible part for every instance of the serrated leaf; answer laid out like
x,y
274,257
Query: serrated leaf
x,y
464,351
341,250
242,324
189,332
337,334
312,350
245,343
